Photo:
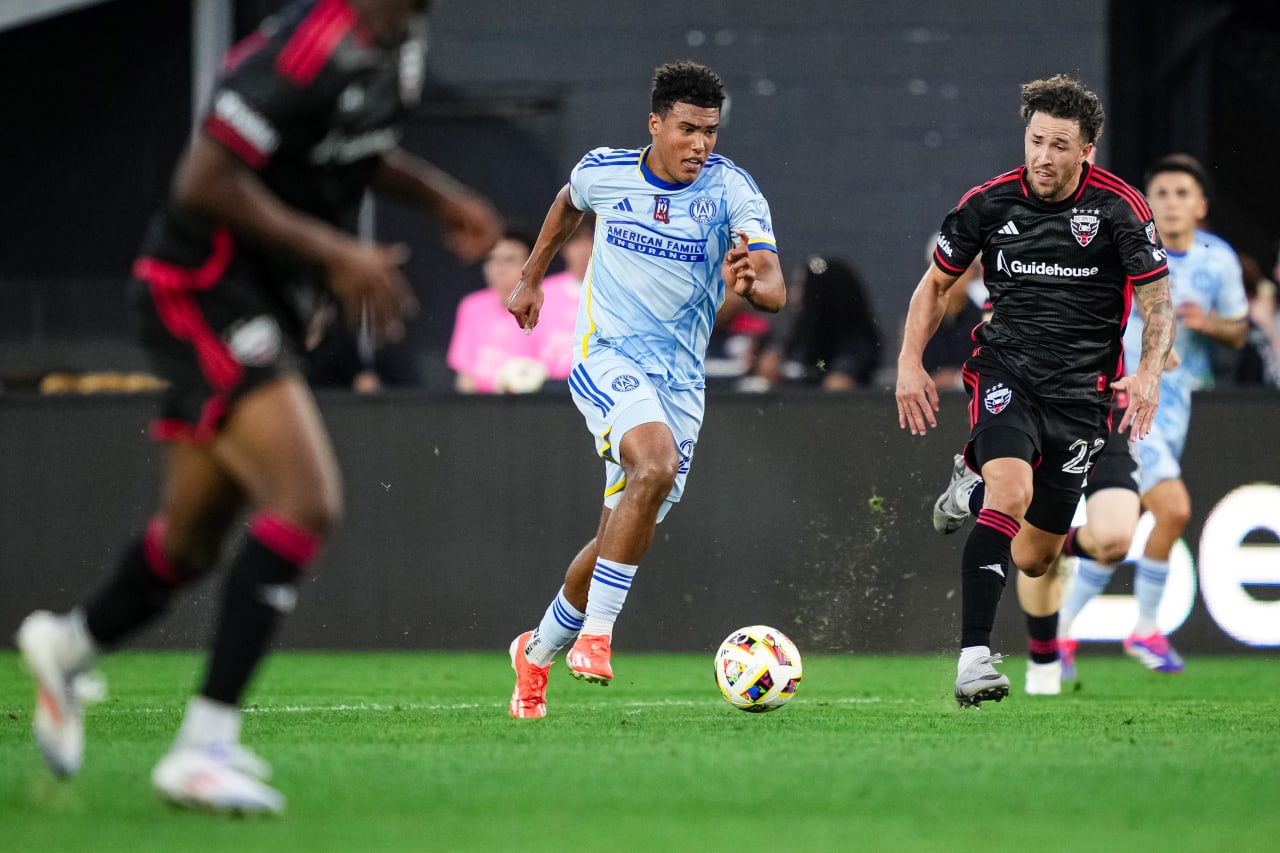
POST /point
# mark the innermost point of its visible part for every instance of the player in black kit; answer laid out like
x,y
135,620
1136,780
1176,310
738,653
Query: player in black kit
x,y
254,245
1065,246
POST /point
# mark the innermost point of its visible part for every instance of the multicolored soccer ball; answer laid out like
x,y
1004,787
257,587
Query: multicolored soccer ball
x,y
758,668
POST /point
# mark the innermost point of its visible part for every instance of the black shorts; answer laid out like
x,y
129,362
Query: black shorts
x,y
1059,438
1117,465
212,342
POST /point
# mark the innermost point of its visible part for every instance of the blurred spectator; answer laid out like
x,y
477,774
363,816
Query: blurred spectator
x,y
1259,363
349,358
835,343
953,343
560,292
738,339
489,352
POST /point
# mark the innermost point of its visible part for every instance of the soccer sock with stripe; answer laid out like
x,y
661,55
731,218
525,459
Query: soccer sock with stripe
x,y
261,590
610,583
984,570
1149,579
561,623
1090,580
140,591
1042,638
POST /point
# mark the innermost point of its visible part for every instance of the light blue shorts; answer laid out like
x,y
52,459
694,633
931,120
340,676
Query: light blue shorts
x,y
1159,454
614,394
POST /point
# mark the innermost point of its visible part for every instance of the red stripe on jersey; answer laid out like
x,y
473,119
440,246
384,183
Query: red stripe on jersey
x,y
227,134
313,42
243,49
1107,181
1014,175
171,289
943,265
1148,277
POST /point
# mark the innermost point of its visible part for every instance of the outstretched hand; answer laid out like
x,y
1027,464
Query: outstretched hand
x,y
737,268
917,396
1143,390
368,280
525,303
471,226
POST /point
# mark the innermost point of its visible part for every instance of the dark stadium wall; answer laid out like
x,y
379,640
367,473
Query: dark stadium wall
x,y
807,512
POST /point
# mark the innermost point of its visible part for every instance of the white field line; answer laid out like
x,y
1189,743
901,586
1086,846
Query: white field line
x,y
380,707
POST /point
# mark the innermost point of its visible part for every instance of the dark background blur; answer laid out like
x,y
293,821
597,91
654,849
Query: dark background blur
x,y
862,122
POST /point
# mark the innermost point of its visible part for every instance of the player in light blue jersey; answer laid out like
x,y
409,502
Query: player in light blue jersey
x,y
1208,294
667,216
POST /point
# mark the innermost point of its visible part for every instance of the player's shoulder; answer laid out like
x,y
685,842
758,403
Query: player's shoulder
x,y
721,167
1211,242
605,157
1004,184
1109,188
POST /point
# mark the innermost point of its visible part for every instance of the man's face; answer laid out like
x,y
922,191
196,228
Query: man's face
x,y
1177,203
682,141
1055,152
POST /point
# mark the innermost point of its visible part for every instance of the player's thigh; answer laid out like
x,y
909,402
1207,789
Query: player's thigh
x,y
200,503
1072,435
1035,550
275,443
1112,517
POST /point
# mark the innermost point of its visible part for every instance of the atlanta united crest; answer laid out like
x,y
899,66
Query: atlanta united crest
x,y
997,398
1084,227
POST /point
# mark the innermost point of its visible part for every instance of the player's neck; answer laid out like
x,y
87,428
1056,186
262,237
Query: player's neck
x,y
1180,243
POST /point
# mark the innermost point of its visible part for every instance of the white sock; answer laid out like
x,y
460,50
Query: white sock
x,y
561,623
1149,579
1090,580
610,583
209,722
969,654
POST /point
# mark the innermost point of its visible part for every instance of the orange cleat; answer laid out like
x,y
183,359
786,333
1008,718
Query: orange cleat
x,y
589,659
529,699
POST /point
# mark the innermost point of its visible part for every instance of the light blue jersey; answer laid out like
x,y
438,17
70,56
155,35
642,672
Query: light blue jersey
x,y
654,283
1207,274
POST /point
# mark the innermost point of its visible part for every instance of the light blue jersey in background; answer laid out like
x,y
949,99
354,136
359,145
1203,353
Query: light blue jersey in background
x,y
654,283
1207,274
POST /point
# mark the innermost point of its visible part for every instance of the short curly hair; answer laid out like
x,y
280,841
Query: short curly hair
x,y
685,82
1064,97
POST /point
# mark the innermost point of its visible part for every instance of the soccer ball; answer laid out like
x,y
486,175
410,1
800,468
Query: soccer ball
x,y
758,668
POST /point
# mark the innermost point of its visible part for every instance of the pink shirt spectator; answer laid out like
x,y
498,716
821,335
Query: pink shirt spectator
x,y
556,321
485,338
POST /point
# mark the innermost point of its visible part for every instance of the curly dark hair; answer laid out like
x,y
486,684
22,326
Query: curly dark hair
x,y
1064,97
688,83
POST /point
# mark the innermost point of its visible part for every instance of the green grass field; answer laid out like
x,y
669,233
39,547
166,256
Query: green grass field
x,y
387,752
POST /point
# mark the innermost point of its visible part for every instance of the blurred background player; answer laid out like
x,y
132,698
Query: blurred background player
x,y
255,240
1042,377
668,217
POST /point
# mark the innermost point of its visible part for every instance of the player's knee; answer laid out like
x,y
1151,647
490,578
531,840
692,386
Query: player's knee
x,y
1037,566
654,476
1112,548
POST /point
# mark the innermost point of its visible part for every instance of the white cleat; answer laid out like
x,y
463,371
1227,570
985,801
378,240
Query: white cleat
x,y
979,682
1044,679
951,510
217,778
57,654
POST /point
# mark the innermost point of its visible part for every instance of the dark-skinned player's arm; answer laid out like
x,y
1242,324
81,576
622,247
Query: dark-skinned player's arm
x,y
216,184
470,224
561,221
755,275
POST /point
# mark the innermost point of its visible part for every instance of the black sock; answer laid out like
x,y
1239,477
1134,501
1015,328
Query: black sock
x,y
1042,637
140,591
261,589
985,568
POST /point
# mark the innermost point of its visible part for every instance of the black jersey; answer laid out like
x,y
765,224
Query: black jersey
x,y
310,101
1060,276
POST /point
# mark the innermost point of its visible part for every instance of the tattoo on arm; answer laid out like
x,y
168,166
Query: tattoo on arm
x,y
1158,328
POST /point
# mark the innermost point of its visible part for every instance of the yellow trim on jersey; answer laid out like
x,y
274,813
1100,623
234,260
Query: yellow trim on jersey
x,y
622,484
586,286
